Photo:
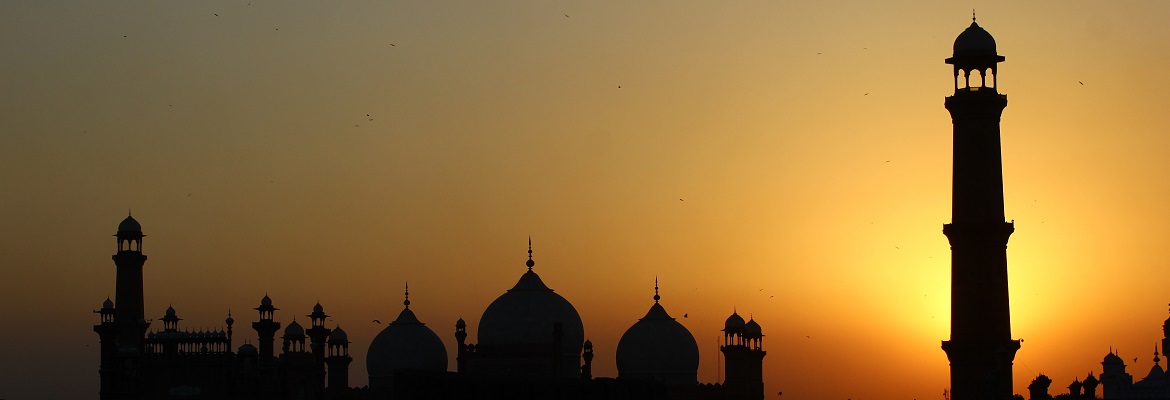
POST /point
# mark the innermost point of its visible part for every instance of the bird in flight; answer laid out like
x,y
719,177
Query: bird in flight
x,y
566,15
1082,83
377,321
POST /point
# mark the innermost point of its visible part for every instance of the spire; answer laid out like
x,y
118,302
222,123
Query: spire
x,y
407,301
1157,360
656,296
530,263
972,15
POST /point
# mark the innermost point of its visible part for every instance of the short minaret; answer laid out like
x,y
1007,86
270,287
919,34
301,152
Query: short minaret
x,y
338,360
318,332
107,332
266,330
981,349
587,354
461,339
229,321
129,308
1038,389
171,325
743,357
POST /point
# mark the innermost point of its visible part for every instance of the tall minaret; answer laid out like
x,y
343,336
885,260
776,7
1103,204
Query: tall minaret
x,y
981,348
129,314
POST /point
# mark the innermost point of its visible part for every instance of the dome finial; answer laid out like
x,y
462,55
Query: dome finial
x,y
530,263
407,301
656,297
972,15
1156,359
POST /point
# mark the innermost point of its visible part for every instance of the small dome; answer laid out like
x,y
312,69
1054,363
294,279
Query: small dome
x,y
170,311
405,344
247,349
734,324
460,323
266,301
107,304
658,348
229,320
974,41
129,225
1112,358
317,308
752,329
338,336
294,331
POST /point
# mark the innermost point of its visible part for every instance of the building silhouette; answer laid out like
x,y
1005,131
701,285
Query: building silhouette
x,y
1114,380
980,349
531,345
177,363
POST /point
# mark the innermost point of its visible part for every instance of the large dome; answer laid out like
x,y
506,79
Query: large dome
x,y
658,348
524,320
405,344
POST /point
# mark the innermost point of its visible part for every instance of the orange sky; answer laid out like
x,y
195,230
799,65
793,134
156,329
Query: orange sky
x,y
807,140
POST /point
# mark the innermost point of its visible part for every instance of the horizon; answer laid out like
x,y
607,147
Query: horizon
x,y
789,161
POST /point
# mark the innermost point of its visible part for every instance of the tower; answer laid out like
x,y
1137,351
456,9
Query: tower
x,y
980,349
107,332
266,329
317,334
338,360
129,313
743,357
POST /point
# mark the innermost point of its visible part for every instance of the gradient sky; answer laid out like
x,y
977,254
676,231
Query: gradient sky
x,y
789,159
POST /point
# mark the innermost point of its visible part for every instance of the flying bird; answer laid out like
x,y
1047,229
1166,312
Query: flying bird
x,y
215,14
377,321
684,315
566,15
1082,83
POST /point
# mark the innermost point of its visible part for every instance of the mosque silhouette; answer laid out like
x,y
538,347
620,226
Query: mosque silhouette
x,y
531,346
531,342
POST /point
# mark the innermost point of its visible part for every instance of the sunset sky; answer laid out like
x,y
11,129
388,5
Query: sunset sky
x,y
786,159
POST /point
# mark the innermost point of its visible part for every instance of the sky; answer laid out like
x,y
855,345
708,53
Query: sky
x,y
789,160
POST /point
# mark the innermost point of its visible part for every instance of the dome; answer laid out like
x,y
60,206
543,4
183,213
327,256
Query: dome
x,y
294,331
734,324
266,301
405,344
1112,358
752,329
170,311
658,348
338,336
526,315
317,308
247,349
974,41
107,304
129,225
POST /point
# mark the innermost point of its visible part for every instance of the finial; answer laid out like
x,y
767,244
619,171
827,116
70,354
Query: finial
x,y
656,297
407,301
530,263
129,212
1156,359
972,15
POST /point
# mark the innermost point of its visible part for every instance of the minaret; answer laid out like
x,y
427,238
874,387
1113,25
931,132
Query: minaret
x,y
318,332
338,360
107,332
266,330
129,313
461,349
743,359
981,348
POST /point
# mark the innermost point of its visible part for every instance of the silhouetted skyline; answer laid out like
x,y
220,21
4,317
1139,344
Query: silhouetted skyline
x,y
328,153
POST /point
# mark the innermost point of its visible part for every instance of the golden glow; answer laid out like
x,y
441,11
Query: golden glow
x,y
791,160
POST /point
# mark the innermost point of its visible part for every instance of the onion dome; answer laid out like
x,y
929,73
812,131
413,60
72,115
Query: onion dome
x,y
527,316
229,320
294,331
247,349
1112,359
405,344
170,311
129,225
974,41
266,301
460,323
734,324
752,329
108,304
338,336
658,348
1091,381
